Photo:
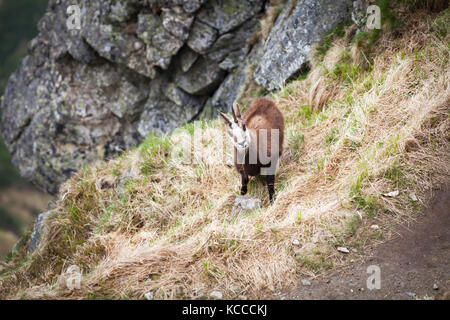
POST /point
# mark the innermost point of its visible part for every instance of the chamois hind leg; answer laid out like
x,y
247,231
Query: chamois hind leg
x,y
244,179
270,180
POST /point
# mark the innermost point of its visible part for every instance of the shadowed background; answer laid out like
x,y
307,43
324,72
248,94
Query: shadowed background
x,y
20,201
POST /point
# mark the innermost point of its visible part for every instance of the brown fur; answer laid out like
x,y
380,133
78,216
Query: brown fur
x,y
263,114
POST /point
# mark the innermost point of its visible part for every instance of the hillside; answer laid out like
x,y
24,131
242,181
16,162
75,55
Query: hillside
x,y
370,117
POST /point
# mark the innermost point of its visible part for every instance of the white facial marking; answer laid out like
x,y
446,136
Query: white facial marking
x,y
241,138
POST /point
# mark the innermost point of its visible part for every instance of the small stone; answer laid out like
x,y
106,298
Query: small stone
x,y
149,295
435,287
138,45
375,227
306,283
410,294
235,288
343,250
413,197
295,242
392,194
247,203
216,295
361,289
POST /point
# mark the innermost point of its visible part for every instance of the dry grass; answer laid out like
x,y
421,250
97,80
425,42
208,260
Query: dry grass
x,y
166,229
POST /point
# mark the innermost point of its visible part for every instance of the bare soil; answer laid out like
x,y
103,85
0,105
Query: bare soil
x,y
414,265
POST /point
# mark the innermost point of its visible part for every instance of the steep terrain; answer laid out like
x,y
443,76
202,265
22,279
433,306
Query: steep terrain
x,y
137,67
367,140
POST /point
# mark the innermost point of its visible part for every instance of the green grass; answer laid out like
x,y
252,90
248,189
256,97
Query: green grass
x,y
327,42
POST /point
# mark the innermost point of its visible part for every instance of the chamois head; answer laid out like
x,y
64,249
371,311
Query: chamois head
x,y
237,129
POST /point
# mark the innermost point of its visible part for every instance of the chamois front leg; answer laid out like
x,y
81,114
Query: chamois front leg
x,y
270,180
244,180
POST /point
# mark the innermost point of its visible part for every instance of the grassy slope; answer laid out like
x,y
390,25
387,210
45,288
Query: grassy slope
x,y
371,117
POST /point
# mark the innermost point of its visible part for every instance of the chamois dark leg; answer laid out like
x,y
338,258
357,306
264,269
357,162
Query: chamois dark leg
x,y
244,179
270,180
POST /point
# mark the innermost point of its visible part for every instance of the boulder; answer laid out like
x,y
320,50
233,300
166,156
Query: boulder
x,y
296,30
202,37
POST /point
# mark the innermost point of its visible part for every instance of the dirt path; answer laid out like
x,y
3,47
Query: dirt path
x,y
411,264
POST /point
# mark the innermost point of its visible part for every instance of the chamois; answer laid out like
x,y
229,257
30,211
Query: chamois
x,y
258,141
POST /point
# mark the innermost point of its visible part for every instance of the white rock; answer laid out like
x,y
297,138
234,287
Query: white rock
x,y
235,288
138,45
216,295
343,250
392,194
375,227
247,203
306,283
435,287
149,295
413,197
295,242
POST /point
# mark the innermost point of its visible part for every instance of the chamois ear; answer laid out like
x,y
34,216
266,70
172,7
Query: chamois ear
x,y
238,111
225,119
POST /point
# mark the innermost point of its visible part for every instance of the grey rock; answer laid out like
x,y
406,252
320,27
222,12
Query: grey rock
x,y
359,13
38,230
232,87
216,295
192,5
202,79
162,114
225,15
306,283
181,98
247,203
177,22
343,250
121,11
147,26
292,37
435,287
120,189
410,294
187,58
110,40
243,204
165,42
202,37
232,48
149,295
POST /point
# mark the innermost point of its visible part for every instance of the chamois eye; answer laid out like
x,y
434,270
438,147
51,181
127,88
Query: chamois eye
x,y
243,127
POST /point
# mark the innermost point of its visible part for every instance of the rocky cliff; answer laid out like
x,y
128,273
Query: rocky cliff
x,y
142,66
